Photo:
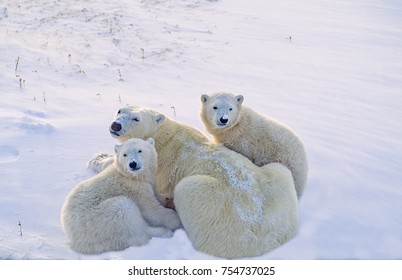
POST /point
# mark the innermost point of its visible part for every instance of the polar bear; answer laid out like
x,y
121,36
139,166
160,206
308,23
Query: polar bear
x,y
259,138
228,206
117,208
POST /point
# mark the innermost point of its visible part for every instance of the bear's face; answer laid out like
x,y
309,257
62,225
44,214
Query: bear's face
x,y
136,156
221,111
135,122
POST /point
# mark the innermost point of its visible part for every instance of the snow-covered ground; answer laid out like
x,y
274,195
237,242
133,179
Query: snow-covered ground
x,y
331,70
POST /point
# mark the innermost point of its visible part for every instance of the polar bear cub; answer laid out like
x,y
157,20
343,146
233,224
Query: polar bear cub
x,y
117,208
257,137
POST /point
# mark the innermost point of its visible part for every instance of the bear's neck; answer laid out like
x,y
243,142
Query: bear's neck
x,y
170,129
164,134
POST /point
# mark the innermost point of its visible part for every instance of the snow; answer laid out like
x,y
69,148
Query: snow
x,y
331,70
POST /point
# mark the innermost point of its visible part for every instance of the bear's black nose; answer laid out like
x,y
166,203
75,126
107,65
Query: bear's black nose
x,y
222,120
116,126
133,165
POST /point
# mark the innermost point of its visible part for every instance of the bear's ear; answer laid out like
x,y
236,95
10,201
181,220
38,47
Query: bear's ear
x,y
151,141
204,98
240,99
117,148
160,119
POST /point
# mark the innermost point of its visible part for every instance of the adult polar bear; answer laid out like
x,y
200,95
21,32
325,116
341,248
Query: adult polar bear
x,y
259,138
228,206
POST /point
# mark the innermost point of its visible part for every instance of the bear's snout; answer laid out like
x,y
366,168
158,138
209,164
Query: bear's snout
x,y
133,165
116,126
224,119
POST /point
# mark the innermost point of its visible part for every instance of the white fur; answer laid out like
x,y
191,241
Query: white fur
x,y
228,206
117,208
259,138
100,162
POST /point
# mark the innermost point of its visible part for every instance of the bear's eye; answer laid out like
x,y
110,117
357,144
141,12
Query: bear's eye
x,y
230,109
215,108
124,155
140,151
135,119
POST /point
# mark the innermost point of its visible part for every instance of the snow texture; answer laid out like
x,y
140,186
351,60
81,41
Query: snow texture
x,y
331,70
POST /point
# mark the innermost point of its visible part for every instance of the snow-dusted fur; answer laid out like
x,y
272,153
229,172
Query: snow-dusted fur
x,y
228,206
257,137
117,208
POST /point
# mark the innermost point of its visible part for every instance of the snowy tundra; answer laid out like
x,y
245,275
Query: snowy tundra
x,y
330,70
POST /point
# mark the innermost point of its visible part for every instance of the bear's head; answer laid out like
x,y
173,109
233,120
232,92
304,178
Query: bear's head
x,y
220,111
136,157
135,122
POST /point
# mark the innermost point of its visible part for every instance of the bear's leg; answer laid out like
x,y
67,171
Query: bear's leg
x,y
159,232
100,161
155,214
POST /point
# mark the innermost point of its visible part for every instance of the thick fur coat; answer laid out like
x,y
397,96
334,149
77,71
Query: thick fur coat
x,y
117,208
